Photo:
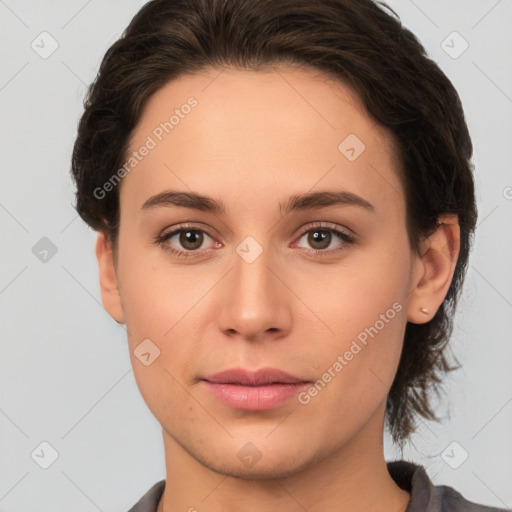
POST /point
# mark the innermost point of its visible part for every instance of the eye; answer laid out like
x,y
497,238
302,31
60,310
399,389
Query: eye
x,y
322,238
189,241
186,241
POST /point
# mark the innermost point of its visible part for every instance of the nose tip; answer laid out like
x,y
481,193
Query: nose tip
x,y
255,305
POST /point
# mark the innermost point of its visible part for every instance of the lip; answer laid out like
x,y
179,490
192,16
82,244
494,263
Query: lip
x,y
259,377
263,389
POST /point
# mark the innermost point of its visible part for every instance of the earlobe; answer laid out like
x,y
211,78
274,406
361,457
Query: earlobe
x,y
109,288
434,270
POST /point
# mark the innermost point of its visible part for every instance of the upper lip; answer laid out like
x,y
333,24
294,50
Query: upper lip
x,y
260,377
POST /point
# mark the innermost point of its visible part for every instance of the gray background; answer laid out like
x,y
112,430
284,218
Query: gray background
x,y
65,371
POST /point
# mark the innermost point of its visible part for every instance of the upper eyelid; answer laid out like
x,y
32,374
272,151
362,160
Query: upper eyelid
x,y
202,227
325,225
184,226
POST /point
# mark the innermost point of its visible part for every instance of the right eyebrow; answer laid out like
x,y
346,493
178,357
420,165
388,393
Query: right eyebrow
x,y
187,200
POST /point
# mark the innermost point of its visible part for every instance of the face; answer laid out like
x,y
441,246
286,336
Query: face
x,y
293,268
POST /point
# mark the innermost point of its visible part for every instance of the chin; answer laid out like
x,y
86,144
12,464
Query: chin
x,y
260,471
247,462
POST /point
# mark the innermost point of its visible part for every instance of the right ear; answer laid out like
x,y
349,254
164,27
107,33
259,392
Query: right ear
x,y
110,296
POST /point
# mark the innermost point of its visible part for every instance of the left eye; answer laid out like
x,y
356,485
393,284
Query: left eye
x,y
320,239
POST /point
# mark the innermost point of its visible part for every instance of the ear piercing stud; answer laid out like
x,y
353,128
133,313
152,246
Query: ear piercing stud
x,y
424,311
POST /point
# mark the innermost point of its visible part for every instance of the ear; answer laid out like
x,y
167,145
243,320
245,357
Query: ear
x,y
108,278
433,270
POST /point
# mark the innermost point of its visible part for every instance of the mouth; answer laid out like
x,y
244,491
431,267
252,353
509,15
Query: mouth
x,y
264,389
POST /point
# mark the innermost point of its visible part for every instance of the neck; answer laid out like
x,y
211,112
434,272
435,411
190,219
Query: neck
x,y
354,478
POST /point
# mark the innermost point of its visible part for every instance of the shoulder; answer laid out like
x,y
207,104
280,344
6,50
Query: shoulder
x,y
427,497
149,502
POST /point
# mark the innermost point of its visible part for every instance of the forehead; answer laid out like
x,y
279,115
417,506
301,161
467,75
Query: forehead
x,y
261,101
219,129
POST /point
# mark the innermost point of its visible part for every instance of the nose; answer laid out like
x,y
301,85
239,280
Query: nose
x,y
255,301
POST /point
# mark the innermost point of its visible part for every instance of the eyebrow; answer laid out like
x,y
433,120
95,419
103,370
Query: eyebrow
x,y
308,201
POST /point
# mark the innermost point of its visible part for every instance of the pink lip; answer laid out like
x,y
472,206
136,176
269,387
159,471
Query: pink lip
x,y
266,388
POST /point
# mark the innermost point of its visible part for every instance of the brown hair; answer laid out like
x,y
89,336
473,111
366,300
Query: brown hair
x,y
357,42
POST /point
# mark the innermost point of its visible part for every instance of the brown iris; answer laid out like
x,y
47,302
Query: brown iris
x,y
192,237
318,236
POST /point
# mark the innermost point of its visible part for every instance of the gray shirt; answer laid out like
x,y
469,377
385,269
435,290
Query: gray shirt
x,y
425,497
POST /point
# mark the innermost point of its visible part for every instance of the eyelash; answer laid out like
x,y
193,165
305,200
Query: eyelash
x,y
341,235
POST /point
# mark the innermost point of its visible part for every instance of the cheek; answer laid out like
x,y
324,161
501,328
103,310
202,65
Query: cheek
x,y
369,292
158,306
365,309
154,295
355,372
158,317
163,392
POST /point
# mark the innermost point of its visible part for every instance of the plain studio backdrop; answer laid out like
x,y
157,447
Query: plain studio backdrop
x,y
66,385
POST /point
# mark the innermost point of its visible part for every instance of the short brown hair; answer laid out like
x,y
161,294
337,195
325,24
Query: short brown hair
x,y
357,42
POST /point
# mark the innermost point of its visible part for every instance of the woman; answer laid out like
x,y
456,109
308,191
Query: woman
x,y
284,203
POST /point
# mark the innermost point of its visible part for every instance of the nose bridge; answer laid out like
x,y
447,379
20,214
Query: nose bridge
x,y
253,280
255,302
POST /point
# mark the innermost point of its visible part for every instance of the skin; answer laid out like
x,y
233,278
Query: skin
x,y
255,139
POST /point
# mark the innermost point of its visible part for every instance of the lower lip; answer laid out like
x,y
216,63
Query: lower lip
x,y
254,398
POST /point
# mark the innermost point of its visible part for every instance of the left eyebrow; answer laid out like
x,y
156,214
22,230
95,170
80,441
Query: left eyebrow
x,y
323,199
